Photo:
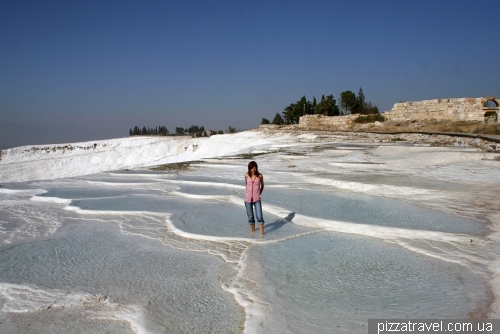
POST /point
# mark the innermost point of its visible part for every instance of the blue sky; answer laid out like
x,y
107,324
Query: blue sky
x,y
84,70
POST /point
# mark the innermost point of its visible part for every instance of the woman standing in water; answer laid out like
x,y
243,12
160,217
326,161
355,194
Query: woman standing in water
x,y
254,182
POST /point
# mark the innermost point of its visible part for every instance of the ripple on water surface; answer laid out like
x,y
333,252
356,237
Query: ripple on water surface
x,y
178,290
134,202
229,220
93,192
206,217
329,282
364,209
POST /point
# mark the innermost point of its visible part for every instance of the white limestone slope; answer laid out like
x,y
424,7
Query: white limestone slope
x,y
41,162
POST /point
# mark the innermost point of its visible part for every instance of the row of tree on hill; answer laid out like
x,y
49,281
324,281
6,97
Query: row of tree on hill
x,y
179,131
349,103
158,131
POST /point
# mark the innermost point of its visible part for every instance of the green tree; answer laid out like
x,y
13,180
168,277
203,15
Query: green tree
x,y
231,129
292,113
179,131
288,114
220,132
265,121
278,120
162,130
194,129
328,105
306,106
370,109
359,106
347,100
314,103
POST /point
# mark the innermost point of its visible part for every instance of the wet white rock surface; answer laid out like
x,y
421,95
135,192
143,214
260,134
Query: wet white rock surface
x,y
355,229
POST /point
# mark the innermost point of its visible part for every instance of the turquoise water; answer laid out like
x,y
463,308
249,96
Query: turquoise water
x,y
178,247
330,282
177,289
350,207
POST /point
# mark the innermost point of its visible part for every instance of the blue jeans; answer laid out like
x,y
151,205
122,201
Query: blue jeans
x,y
258,212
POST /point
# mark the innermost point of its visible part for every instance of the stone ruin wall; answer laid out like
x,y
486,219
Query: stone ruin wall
x,y
453,110
460,109
326,122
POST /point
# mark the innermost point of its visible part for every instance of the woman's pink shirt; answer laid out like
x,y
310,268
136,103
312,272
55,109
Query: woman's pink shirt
x,y
252,193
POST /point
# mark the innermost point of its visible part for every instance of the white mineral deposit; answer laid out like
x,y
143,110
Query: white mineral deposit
x,y
118,236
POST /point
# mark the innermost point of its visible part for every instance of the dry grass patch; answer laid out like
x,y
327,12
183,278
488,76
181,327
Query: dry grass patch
x,y
459,127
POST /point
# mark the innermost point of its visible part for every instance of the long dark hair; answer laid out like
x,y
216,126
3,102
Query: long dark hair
x,y
251,165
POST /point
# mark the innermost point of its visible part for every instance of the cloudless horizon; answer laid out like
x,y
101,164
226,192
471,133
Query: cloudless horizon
x,y
89,70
